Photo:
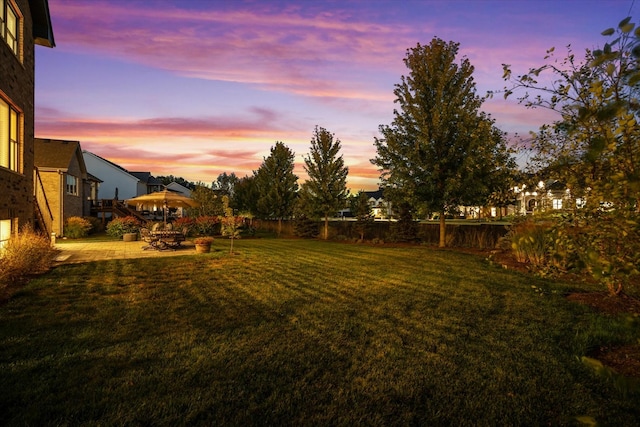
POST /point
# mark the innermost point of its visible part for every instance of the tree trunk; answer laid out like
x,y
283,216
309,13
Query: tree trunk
x,y
443,227
326,227
279,226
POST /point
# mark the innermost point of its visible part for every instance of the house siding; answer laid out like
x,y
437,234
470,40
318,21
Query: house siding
x,y
112,177
17,88
73,204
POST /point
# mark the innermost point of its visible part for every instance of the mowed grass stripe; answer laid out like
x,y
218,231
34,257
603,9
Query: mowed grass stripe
x,y
296,332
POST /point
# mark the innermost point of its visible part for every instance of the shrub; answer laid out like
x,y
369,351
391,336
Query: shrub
x,y
119,226
207,225
203,240
608,245
528,241
96,224
305,227
25,254
406,228
76,227
184,222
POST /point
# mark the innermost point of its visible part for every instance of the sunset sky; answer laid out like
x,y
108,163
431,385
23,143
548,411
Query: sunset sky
x,y
194,88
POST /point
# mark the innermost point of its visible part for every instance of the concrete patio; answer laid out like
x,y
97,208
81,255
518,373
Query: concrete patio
x,y
79,252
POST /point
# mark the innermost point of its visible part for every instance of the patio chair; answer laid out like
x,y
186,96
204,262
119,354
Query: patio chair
x,y
147,237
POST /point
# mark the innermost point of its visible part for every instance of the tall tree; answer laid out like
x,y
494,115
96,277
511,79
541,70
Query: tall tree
x,y
210,203
362,211
440,150
277,184
326,188
225,184
246,195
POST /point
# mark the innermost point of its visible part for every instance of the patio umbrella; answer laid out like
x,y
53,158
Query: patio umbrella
x,y
168,199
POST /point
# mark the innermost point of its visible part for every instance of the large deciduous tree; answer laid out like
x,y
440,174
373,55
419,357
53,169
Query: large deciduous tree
x,y
277,185
326,188
225,184
440,150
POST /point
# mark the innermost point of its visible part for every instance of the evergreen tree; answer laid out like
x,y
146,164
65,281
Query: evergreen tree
x,y
277,185
326,189
361,209
440,149
246,195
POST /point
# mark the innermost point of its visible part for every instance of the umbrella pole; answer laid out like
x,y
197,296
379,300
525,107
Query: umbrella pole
x,y
165,214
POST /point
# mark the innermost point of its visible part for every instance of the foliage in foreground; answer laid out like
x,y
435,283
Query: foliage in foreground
x,y
24,255
594,149
303,333
604,244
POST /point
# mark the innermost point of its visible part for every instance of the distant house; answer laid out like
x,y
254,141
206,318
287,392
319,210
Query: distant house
x,y
545,196
148,183
63,176
23,24
379,207
179,188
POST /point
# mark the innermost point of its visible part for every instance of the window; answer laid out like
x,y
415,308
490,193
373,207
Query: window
x,y
557,203
5,231
72,185
10,25
10,137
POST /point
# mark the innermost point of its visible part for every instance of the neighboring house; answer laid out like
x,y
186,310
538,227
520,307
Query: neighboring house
x,y
179,188
23,24
379,207
63,176
546,196
117,182
148,183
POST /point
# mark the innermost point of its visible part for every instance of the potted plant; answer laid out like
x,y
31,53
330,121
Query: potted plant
x,y
203,244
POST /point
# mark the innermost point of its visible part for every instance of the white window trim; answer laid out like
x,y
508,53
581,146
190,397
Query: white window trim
x,y
71,188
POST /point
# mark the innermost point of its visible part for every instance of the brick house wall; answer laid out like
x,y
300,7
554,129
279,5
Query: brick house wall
x,y
56,161
17,89
17,80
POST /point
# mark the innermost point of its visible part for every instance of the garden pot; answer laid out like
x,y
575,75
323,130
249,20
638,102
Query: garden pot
x,y
203,248
130,237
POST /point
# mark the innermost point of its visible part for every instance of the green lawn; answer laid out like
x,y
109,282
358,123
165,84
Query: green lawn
x,y
295,332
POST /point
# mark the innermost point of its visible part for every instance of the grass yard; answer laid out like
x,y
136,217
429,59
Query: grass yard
x,y
296,332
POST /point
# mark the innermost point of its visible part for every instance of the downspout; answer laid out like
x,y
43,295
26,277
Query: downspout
x,y
61,210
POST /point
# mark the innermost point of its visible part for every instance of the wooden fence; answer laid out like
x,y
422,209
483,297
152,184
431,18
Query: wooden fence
x,y
471,234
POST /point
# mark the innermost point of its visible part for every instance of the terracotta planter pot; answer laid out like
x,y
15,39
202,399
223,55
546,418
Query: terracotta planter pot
x,y
130,237
203,248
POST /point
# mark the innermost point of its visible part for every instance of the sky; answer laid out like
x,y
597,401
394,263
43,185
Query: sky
x,y
195,88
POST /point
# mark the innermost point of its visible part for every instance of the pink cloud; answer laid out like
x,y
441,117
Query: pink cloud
x,y
272,50
260,122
